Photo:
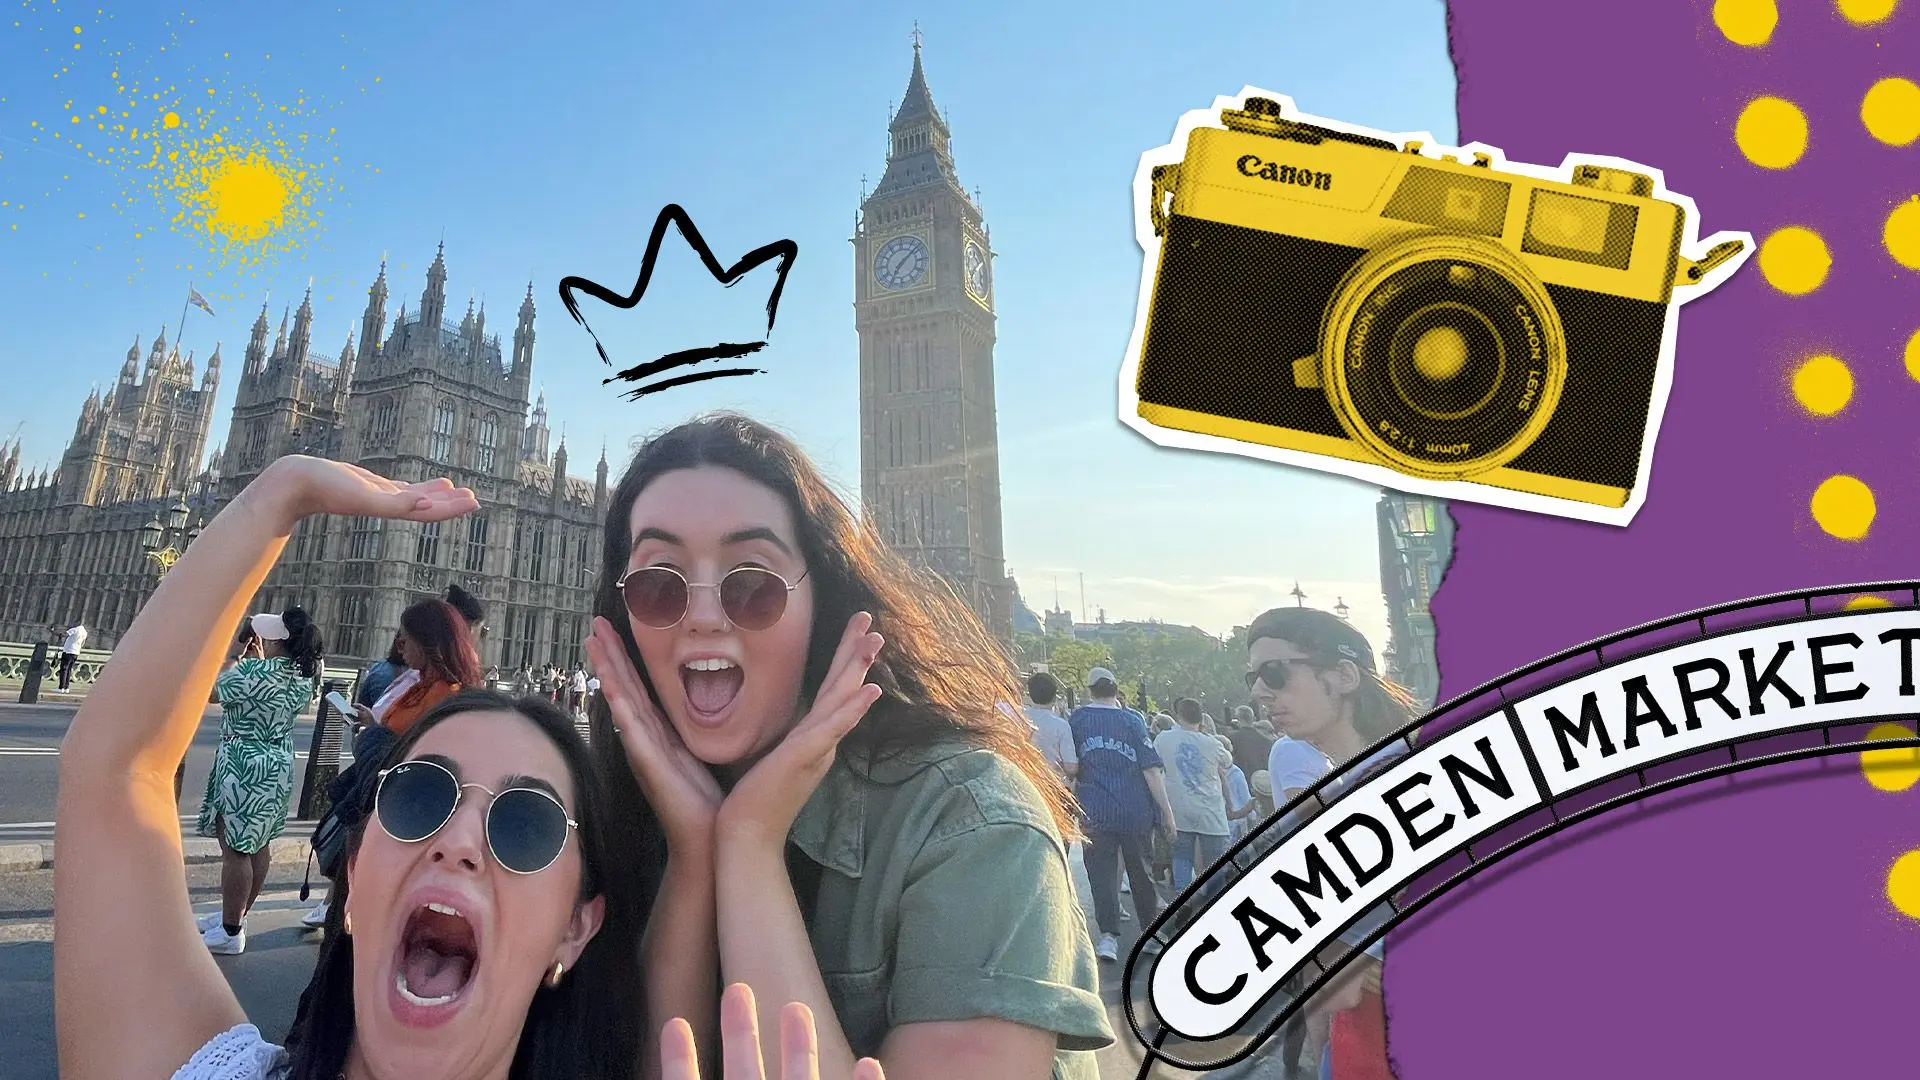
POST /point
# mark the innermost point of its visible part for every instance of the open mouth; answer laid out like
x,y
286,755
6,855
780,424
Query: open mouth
x,y
711,686
439,954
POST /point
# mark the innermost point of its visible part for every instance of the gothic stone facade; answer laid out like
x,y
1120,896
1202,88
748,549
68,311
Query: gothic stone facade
x,y
923,304
426,397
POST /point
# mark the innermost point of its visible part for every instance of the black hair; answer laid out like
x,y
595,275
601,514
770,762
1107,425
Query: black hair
x,y
303,641
1188,710
589,1025
1042,688
1105,688
467,604
1380,706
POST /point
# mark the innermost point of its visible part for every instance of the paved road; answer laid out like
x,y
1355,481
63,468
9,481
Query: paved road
x,y
30,766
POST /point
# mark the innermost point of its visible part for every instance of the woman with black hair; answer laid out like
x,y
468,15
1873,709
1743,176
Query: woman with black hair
x,y
266,681
830,815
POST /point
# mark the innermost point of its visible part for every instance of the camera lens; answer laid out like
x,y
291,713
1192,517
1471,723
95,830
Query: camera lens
x,y
1444,355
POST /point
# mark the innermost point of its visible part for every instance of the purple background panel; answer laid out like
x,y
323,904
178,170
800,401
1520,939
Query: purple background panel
x,y
1741,928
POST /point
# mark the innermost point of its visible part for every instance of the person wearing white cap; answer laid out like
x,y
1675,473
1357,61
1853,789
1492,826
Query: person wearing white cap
x,y
1123,795
267,681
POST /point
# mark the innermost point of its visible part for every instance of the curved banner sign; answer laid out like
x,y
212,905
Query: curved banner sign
x,y
1431,804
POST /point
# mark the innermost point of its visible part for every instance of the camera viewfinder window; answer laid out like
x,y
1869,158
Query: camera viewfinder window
x,y
1583,230
1448,201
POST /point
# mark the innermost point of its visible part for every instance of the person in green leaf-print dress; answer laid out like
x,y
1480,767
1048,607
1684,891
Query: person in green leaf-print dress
x,y
251,782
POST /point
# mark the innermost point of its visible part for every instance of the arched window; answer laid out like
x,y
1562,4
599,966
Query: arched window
x,y
386,420
441,447
489,438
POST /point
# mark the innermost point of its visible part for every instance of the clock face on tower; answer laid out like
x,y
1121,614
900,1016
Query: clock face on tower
x,y
976,267
901,262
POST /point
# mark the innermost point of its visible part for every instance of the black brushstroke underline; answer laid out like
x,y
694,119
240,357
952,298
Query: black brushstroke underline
x,y
640,392
722,351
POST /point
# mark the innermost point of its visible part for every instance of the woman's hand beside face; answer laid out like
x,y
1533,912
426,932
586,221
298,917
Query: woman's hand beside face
x,y
764,804
798,1054
679,787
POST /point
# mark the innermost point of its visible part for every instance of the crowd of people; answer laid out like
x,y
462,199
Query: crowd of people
x,y
798,808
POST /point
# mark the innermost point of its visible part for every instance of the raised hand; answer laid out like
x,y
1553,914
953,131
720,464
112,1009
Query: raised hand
x,y
799,1052
299,487
764,803
679,787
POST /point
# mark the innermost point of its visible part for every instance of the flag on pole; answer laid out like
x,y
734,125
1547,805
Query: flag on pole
x,y
194,298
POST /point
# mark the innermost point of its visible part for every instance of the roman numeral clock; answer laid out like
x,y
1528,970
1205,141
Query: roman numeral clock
x,y
902,263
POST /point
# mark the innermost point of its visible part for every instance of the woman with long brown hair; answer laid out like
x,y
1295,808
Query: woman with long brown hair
x,y
441,661
844,815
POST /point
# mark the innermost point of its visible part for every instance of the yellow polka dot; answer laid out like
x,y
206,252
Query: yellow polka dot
x,y
1844,507
1859,603
1902,235
1903,884
1745,22
1771,132
1823,385
1864,12
170,120
1795,260
1891,770
1891,111
1913,355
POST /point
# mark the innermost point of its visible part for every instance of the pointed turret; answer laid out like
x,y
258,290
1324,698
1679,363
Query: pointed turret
x,y
534,444
920,150
255,358
375,319
560,470
302,343
522,373
280,339
131,369
211,381
159,350
433,302
600,478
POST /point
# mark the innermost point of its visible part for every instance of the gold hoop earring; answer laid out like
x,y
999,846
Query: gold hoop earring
x,y
553,980
346,921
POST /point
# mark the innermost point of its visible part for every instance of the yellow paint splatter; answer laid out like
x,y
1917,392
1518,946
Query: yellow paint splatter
x,y
1823,385
1795,260
1865,12
170,120
1902,234
1891,770
1891,111
1903,884
246,199
1913,356
1860,603
1843,506
1771,132
1745,22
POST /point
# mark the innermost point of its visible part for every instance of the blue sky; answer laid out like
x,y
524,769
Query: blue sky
x,y
544,145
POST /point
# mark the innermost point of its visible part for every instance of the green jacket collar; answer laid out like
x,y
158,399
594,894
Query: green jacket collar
x,y
831,828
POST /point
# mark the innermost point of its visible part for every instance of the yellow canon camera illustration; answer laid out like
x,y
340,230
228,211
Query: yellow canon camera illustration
x,y
1338,294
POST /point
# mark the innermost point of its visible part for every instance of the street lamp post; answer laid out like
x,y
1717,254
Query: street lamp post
x,y
158,542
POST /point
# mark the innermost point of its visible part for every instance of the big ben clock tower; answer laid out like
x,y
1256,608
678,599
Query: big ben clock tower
x,y
923,304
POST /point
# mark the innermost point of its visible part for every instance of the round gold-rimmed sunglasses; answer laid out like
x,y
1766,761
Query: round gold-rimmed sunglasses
x,y
753,597
526,827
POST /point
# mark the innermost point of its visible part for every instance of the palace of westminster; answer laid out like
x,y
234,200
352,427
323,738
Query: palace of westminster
x,y
422,396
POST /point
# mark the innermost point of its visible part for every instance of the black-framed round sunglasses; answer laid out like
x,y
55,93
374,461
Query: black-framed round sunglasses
x,y
526,827
753,597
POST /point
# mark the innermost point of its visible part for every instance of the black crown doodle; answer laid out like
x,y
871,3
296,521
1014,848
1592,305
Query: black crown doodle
x,y
784,250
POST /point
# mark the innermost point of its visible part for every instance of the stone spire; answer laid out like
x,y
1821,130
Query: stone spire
x,y
919,151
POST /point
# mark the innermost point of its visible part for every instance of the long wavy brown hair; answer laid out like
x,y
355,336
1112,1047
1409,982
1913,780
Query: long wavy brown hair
x,y
442,634
942,674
